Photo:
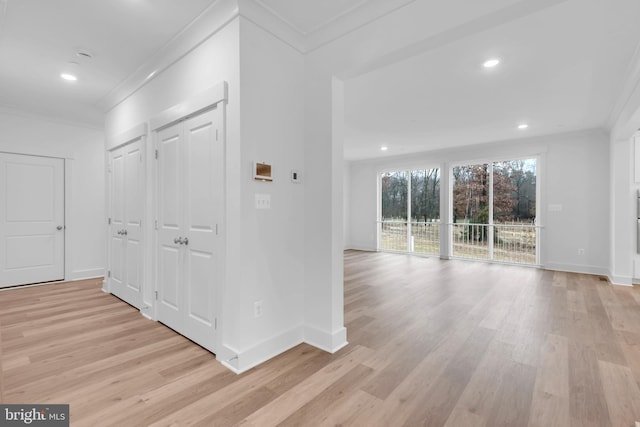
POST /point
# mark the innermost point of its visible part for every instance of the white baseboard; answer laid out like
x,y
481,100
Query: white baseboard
x,y
329,342
363,248
241,361
577,268
620,280
86,274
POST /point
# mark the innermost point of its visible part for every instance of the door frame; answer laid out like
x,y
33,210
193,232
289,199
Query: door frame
x,y
214,97
67,267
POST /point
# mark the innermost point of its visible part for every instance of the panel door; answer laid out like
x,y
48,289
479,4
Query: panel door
x,y
189,206
132,226
126,201
202,200
116,236
169,216
31,219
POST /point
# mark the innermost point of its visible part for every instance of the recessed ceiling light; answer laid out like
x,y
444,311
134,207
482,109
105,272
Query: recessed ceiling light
x,y
523,126
384,148
68,77
490,63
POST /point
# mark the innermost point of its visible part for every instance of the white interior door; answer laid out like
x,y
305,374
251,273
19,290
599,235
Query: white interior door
x,y
189,206
126,202
116,201
31,219
170,227
202,201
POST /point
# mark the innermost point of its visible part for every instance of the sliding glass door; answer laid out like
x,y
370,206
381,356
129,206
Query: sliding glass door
x,y
410,211
491,216
494,211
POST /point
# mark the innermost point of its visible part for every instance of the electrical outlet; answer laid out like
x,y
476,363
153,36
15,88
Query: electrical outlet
x,y
257,309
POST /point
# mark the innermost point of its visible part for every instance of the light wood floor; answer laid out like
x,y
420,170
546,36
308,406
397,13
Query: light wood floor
x,y
431,343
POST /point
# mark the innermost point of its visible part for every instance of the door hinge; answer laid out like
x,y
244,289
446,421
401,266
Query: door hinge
x,y
156,224
215,323
109,273
109,221
156,295
156,154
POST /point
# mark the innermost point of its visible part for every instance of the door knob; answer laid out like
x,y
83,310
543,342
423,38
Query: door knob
x,y
125,232
59,228
186,241
177,240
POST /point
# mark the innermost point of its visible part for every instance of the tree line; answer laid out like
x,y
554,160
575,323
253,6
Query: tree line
x,y
425,195
514,193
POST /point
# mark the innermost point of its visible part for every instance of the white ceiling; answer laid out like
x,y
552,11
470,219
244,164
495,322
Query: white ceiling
x,y
38,38
562,69
563,66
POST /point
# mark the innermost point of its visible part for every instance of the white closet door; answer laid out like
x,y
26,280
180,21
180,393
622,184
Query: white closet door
x,y
116,199
202,199
133,209
126,200
170,227
31,219
189,206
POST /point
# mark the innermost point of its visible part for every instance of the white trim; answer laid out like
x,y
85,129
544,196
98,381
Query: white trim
x,y
242,361
629,86
319,26
39,116
68,195
92,273
327,341
127,136
359,248
578,268
620,280
214,19
190,107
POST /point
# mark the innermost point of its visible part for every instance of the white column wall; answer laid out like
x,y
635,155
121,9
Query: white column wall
x,y
323,230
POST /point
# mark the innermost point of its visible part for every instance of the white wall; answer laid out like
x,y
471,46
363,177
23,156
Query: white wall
x,y
573,172
83,151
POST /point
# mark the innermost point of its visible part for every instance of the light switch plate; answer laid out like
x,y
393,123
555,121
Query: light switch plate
x,y
263,201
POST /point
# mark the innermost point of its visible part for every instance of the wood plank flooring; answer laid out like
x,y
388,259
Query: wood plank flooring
x,y
431,343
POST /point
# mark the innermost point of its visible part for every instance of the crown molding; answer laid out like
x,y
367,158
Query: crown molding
x,y
10,110
333,28
207,24
318,27
271,22
630,86
222,12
